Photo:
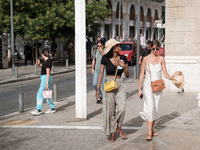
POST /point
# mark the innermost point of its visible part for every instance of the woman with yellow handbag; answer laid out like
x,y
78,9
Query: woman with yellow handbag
x,y
114,99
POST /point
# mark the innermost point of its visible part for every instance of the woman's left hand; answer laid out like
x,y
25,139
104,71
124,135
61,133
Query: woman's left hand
x,y
46,87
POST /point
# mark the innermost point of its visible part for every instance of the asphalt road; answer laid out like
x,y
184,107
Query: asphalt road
x,y
9,93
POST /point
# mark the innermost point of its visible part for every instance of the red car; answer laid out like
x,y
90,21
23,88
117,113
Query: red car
x,y
161,52
129,49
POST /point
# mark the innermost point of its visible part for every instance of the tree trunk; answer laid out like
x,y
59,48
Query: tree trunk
x,y
36,50
33,56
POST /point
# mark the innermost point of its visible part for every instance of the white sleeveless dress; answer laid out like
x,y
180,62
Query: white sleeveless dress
x,y
151,99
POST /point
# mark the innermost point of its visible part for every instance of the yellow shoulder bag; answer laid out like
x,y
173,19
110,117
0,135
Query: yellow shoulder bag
x,y
111,85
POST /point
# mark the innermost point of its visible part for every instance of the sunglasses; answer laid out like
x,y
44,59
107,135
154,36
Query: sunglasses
x,y
99,45
155,49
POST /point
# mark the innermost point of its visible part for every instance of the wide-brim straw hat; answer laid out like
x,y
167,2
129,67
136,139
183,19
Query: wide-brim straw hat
x,y
109,44
178,79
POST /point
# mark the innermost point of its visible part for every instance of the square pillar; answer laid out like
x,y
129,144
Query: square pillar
x,y
152,28
145,30
114,24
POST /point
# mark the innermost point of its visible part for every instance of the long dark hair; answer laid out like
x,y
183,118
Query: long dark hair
x,y
110,53
47,53
102,42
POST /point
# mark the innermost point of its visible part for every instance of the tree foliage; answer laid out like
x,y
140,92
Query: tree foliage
x,y
48,19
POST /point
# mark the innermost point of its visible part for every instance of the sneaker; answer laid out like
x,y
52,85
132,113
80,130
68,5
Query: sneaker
x,y
50,111
35,113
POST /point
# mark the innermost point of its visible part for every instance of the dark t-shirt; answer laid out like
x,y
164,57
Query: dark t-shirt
x,y
110,67
145,52
46,64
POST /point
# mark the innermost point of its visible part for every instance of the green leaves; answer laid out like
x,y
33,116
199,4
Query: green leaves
x,y
48,19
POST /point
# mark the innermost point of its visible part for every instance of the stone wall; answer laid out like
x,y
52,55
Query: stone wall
x,y
183,41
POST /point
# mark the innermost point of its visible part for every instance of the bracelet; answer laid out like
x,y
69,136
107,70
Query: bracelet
x,y
98,86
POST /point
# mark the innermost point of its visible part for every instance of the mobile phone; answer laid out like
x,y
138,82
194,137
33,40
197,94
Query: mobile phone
x,y
141,96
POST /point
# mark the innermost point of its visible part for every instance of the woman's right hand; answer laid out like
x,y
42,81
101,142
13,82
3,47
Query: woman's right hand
x,y
97,94
92,71
139,93
38,62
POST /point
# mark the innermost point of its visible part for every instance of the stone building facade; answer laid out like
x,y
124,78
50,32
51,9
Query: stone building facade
x,y
183,41
150,12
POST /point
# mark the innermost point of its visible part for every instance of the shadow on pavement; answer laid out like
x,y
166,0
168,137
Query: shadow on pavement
x,y
131,94
164,119
138,122
93,114
63,107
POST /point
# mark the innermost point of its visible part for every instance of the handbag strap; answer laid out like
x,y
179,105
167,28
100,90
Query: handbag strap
x,y
116,71
149,68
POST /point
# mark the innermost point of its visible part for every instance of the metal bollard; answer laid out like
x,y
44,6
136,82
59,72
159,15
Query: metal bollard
x,y
67,64
35,68
55,93
134,72
21,102
16,68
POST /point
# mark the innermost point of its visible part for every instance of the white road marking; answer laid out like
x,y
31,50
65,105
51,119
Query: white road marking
x,y
67,127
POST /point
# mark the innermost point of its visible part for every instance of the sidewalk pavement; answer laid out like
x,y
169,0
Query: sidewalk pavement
x,y
177,124
27,72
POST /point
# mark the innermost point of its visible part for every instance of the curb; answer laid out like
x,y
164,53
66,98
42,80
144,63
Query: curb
x,y
36,76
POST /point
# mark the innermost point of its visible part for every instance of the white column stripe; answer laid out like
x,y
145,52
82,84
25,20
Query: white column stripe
x,y
67,127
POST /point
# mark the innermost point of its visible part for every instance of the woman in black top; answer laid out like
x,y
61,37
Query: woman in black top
x,y
113,101
45,84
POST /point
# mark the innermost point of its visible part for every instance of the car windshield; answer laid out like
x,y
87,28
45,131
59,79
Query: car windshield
x,y
126,47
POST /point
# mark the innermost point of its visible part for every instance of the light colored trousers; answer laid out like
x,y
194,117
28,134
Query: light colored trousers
x,y
40,98
114,103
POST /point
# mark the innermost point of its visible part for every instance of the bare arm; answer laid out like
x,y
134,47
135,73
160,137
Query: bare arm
x,y
93,65
99,80
140,60
126,70
144,62
164,69
47,81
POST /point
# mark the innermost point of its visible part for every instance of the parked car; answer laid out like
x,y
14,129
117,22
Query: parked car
x,y
129,49
162,50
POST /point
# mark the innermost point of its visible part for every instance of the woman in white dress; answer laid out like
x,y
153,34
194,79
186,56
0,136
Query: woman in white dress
x,y
152,65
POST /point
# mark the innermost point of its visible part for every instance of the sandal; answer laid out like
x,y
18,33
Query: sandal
x,y
112,139
149,137
122,134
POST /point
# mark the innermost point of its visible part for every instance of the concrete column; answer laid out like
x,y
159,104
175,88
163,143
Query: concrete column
x,y
145,29
114,24
182,43
80,57
124,27
152,28
128,26
159,34
136,25
102,29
